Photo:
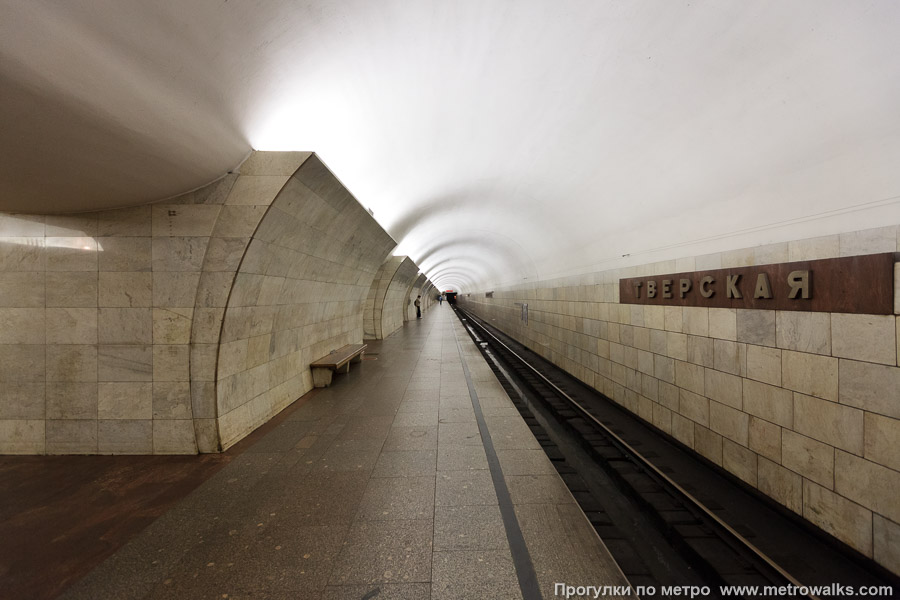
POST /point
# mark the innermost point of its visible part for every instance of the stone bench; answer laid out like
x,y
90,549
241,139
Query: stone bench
x,y
338,361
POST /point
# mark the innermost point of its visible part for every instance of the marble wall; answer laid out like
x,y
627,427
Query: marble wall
x,y
386,302
419,287
803,406
113,324
299,293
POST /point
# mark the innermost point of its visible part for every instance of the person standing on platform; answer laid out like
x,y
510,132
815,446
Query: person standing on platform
x,y
440,299
418,307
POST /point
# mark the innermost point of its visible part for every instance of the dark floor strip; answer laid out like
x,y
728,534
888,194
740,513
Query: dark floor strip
x,y
528,582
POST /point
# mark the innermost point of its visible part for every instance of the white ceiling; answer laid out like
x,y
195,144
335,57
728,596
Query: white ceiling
x,y
497,141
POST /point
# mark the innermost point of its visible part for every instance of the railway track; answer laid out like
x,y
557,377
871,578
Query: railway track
x,y
654,524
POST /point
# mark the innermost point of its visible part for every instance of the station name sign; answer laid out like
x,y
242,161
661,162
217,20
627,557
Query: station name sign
x,y
856,284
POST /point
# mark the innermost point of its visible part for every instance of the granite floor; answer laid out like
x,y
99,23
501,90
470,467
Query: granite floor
x,y
411,477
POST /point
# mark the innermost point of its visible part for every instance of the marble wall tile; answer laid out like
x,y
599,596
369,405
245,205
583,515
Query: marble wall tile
x,y
815,248
125,436
171,362
695,320
693,406
700,351
764,438
829,422
126,222
689,377
22,289
723,323
803,332
71,326
810,374
708,444
175,290
224,254
708,262
771,253
739,461
729,422
22,437
178,253
18,225
872,338
204,359
897,292
23,254
256,189
886,536
273,163
71,362
730,357
22,400
676,346
882,440
664,368
863,385
780,484
214,289
171,400
683,430
125,362
22,325
82,225
773,404
807,457
724,388
203,399
125,326
125,400
172,325
764,364
22,363
125,289
869,241
174,220
238,221
174,437
71,436
132,254
72,290
868,484
756,327
207,435
207,325
67,400
71,254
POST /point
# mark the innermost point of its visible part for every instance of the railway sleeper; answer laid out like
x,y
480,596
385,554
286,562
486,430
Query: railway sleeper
x,y
599,518
628,559
679,516
662,501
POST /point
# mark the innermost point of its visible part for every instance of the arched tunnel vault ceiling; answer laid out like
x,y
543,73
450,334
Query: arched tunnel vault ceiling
x,y
568,135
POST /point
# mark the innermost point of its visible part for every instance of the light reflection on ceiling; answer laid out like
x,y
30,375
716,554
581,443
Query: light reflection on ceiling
x,y
498,142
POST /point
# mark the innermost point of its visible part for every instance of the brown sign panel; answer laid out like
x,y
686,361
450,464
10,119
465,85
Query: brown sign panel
x,y
856,284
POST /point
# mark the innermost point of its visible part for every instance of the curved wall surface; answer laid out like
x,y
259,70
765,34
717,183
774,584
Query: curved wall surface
x,y
375,297
803,406
386,302
396,297
415,289
299,293
180,326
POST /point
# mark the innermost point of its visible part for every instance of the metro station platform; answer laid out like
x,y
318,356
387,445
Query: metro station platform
x,y
411,477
